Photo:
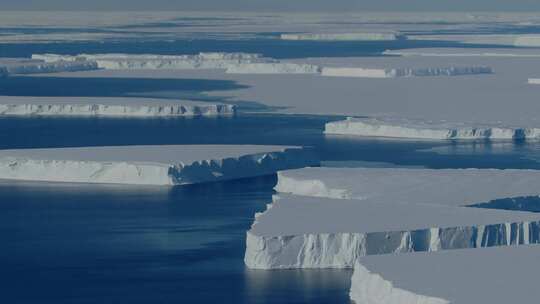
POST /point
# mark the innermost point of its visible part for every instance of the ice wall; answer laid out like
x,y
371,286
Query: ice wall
x,y
38,66
342,250
273,68
372,288
342,36
150,61
422,130
126,110
404,72
50,166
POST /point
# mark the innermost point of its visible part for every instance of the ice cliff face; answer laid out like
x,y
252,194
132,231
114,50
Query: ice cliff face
x,y
404,72
342,37
38,66
152,173
371,288
341,250
419,130
128,61
127,110
273,68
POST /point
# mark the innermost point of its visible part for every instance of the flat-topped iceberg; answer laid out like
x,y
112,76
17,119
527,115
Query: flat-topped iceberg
x,y
405,72
27,66
152,61
491,275
314,232
149,165
465,52
342,36
109,106
451,187
425,130
273,68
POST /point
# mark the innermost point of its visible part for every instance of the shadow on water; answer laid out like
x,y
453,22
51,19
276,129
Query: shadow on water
x,y
107,87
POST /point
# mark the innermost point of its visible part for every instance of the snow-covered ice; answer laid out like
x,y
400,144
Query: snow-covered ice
x,y
489,275
314,232
426,130
149,165
109,106
451,187
467,52
342,36
274,68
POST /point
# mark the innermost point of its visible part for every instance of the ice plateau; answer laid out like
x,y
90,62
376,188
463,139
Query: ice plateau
x,y
149,165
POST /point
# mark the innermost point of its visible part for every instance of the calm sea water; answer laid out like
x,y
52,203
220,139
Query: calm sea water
x,y
70,243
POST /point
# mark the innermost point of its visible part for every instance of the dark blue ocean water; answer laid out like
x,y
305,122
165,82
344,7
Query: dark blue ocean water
x,y
71,243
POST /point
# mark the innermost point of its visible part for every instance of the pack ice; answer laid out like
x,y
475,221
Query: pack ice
x,y
489,275
383,211
149,165
109,106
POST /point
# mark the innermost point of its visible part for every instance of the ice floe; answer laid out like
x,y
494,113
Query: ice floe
x,y
149,165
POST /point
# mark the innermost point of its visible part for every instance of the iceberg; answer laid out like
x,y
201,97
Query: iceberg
x,y
26,66
464,52
150,165
274,68
151,61
534,81
490,275
110,107
447,187
342,36
405,72
302,232
415,129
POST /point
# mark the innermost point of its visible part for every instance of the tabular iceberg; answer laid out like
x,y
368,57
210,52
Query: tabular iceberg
x,y
492,275
300,232
25,66
405,72
150,61
274,68
425,130
450,187
111,107
149,165
342,36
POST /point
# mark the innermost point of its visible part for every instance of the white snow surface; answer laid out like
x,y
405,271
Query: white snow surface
x,y
301,231
488,275
109,106
150,165
426,130
450,187
342,36
17,66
